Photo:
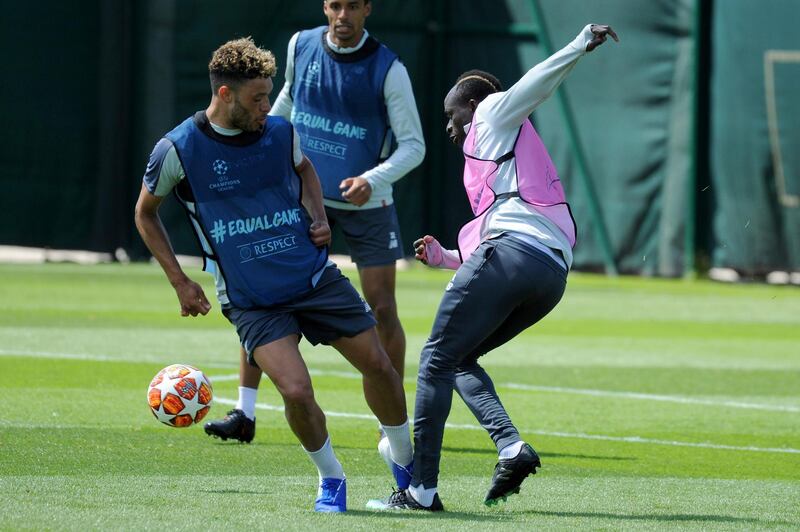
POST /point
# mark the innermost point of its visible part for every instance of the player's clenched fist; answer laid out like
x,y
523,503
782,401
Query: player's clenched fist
x,y
320,233
429,251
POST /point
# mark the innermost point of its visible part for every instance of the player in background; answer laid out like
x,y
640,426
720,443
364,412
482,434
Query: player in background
x,y
348,96
244,183
511,266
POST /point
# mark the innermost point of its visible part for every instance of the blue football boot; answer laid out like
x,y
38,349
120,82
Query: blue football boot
x,y
402,474
332,495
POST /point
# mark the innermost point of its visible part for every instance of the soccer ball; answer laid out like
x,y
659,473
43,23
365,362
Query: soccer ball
x,y
179,395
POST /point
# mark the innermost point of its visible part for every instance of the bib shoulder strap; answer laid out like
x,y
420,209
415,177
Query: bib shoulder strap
x,y
503,158
507,195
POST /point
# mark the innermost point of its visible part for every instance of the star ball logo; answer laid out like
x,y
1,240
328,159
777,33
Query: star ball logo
x,y
224,182
220,167
312,77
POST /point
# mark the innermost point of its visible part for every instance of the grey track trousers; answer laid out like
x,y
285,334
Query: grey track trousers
x,y
503,288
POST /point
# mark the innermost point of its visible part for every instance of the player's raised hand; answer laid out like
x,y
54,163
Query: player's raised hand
x,y
429,251
601,33
320,233
419,248
356,190
192,298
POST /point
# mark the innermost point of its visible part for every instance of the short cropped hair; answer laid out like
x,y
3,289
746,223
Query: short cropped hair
x,y
238,61
477,85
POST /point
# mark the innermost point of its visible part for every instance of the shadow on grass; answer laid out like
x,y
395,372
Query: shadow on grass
x,y
462,450
418,514
492,452
663,517
235,492
656,518
468,450
587,456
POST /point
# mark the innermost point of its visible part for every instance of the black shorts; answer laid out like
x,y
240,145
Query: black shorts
x,y
372,235
331,310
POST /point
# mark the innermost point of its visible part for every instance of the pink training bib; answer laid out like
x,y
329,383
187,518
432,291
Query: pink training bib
x,y
537,184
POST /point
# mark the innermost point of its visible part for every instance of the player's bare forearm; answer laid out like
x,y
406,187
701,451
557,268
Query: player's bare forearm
x,y
190,295
155,236
312,191
319,231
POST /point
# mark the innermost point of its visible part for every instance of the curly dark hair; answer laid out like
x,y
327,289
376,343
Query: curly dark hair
x,y
476,85
239,60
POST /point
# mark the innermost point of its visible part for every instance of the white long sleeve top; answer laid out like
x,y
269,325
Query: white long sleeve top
x,y
497,121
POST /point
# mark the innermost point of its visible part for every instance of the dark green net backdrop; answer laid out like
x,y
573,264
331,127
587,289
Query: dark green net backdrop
x,y
93,84
755,138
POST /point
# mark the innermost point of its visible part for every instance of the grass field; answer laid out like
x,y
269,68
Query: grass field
x,y
654,404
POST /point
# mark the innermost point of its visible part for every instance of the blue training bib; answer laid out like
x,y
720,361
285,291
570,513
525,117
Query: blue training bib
x,y
248,208
339,109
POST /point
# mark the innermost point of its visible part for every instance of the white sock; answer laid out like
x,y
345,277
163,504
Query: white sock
x,y
325,460
385,451
247,401
422,495
512,450
399,443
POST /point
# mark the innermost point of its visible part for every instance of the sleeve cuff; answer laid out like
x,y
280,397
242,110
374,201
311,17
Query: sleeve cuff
x,y
583,39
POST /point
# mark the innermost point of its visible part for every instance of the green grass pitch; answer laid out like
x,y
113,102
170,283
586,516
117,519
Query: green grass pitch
x,y
654,404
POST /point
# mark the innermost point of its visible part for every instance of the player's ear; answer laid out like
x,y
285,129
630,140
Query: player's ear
x,y
473,104
367,8
225,93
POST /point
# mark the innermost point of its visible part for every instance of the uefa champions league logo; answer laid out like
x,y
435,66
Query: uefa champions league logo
x,y
313,72
224,182
220,168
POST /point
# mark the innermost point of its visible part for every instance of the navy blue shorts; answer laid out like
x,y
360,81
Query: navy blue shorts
x,y
372,235
332,310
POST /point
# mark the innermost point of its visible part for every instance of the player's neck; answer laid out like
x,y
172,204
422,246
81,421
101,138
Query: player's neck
x,y
349,43
217,116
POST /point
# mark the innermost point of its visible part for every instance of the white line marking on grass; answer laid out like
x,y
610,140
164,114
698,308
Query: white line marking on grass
x,y
573,435
352,375
126,358
56,356
275,408
224,378
650,397
582,391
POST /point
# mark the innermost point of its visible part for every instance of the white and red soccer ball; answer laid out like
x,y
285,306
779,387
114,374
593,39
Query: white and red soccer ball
x,y
180,395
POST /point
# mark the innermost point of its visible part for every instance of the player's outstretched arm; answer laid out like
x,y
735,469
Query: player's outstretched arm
x,y
320,231
512,107
190,295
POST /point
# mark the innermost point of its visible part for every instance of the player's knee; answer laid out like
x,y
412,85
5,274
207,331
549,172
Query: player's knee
x,y
378,365
437,362
297,393
385,312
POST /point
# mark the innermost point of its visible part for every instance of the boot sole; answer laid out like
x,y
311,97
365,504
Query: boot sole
x,y
226,438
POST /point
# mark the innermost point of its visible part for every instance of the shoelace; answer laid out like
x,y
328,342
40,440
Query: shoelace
x,y
398,497
332,485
